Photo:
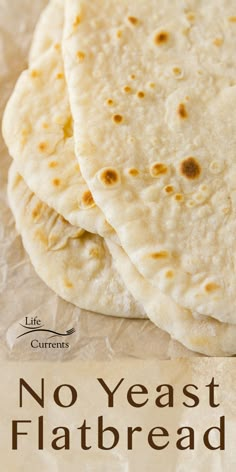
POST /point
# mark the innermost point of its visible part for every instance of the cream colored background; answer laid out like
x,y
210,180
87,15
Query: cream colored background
x,y
92,402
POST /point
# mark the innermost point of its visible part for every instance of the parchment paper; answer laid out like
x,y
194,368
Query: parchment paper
x,y
21,292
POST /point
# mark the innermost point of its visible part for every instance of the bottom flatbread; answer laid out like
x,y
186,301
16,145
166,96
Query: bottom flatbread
x,y
74,263
205,334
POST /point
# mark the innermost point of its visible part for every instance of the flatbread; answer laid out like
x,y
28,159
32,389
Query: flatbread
x,y
38,130
153,96
75,264
205,335
48,31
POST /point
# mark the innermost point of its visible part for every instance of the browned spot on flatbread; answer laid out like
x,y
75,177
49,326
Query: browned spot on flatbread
x,y
68,283
87,199
43,146
52,164
60,76
110,102
109,177
127,89
218,42
177,70
133,20
68,128
56,182
190,168
232,19
158,169
76,21
80,55
140,94
34,73
94,252
133,172
211,287
117,119
190,16
159,255
37,211
41,236
24,136
179,197
182,111
17,180
161,38
169,274
169,189
25,132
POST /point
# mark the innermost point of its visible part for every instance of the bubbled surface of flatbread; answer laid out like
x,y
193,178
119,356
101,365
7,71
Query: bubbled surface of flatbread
x,y
153,94
204,334
74,263
38,131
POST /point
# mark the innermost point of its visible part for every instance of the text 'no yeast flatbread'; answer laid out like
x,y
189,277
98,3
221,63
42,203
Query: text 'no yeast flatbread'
x,y
153,97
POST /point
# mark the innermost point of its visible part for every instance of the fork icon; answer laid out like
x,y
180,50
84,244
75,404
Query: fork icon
x,y
70,331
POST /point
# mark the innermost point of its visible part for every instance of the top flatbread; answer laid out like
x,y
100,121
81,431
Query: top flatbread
x,y
153,97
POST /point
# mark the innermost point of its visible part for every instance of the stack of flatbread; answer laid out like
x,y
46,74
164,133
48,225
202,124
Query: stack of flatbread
x,y
123,184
